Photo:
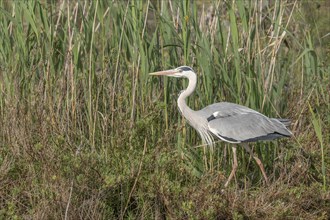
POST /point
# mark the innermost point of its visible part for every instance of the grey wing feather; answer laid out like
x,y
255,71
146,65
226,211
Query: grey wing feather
x,y
236,123
226,109
284,121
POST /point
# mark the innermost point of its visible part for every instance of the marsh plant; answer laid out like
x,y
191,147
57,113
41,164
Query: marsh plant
x,y
86,133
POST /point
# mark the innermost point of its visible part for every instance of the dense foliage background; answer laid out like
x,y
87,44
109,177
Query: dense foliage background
x,y
86,133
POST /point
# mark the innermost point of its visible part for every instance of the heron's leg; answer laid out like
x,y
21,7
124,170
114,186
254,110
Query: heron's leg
x,y
233,171
261,166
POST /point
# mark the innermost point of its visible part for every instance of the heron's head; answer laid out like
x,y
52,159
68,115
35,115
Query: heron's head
x,y
182,71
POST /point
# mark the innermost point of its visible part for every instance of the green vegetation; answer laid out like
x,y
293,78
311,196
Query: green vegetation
x,y
86,133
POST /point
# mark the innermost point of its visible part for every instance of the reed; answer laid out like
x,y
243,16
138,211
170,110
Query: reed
x,y
85,132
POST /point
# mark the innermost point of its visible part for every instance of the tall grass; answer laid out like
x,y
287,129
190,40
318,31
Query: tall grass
x,y
86,133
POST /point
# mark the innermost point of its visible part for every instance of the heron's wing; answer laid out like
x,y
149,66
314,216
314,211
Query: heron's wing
x,y
245,126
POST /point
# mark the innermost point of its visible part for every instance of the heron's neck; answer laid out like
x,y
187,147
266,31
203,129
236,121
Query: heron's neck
x,y
190,89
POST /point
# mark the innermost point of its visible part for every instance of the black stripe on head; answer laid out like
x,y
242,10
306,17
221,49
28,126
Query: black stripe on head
x,y
185,68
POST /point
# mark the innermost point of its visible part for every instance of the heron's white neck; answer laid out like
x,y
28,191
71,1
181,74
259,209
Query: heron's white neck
x,y
189,90
193,118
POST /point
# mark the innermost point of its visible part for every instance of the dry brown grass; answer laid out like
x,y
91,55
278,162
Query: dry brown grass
x,y
85,134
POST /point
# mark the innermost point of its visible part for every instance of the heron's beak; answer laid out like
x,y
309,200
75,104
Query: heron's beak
x,y
164,73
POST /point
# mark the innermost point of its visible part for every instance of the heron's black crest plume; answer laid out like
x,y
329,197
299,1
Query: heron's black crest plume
x,y
185,68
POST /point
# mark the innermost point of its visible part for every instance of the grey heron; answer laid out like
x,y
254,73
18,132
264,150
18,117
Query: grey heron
x,y
229,122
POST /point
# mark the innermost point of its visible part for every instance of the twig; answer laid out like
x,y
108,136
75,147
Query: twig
x,y
136,179
69,201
